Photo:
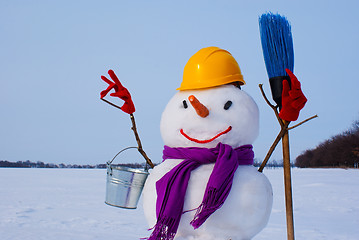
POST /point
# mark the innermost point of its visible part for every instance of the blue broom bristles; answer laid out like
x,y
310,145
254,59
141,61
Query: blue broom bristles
x,y
277,44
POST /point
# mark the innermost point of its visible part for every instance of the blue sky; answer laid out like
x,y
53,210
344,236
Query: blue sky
x,y
54,52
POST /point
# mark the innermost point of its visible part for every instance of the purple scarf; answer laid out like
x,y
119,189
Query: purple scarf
x,y
171,188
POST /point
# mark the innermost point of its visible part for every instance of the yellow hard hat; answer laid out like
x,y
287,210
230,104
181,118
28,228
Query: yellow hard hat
x,y
210,67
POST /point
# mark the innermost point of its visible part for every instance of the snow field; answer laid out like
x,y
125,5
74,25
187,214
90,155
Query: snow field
x,y
66,204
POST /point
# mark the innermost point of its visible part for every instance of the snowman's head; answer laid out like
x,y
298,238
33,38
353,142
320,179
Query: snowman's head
x,y
205,117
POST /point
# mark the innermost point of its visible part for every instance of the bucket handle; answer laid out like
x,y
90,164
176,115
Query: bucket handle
x,y
109,162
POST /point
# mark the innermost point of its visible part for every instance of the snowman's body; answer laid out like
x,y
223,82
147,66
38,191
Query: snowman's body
x,y
233,119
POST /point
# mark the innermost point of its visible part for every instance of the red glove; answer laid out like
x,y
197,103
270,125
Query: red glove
x,y
293,100
120,91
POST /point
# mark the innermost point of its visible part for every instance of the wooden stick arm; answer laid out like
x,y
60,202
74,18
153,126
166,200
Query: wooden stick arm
x,y
284,128
140,149
134,129
274,108
304,121
274,145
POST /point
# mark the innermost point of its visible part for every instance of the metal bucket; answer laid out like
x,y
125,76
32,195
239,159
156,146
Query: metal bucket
x,y
124,184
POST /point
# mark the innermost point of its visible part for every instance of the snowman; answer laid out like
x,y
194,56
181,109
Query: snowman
x,y
206,188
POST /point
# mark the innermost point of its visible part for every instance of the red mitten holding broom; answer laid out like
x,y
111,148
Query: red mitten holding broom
x,y
293,99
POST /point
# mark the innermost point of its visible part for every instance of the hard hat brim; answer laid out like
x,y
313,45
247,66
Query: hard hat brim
x,y
230,79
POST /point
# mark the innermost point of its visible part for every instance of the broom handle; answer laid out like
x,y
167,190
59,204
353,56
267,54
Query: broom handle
x,y
288,185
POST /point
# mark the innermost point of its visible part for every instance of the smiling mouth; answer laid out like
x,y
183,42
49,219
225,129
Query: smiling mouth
x,y
207,140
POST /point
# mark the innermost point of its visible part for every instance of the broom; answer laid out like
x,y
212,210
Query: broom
x,y
277,46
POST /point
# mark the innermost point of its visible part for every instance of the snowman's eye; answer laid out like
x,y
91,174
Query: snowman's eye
x,y
185,104
227,105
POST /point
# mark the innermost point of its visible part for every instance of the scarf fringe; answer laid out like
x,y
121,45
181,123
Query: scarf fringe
x,y
208,206
165,229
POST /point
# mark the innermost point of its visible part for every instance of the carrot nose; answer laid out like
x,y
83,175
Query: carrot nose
x,y
201,110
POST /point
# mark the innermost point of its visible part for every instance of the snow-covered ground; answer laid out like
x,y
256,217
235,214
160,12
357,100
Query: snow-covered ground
x,y
67,204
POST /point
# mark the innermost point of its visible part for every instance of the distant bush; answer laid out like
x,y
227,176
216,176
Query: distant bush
x,y
341,150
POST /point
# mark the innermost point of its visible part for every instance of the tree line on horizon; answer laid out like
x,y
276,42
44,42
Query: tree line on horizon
x,y
342,150
39,164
